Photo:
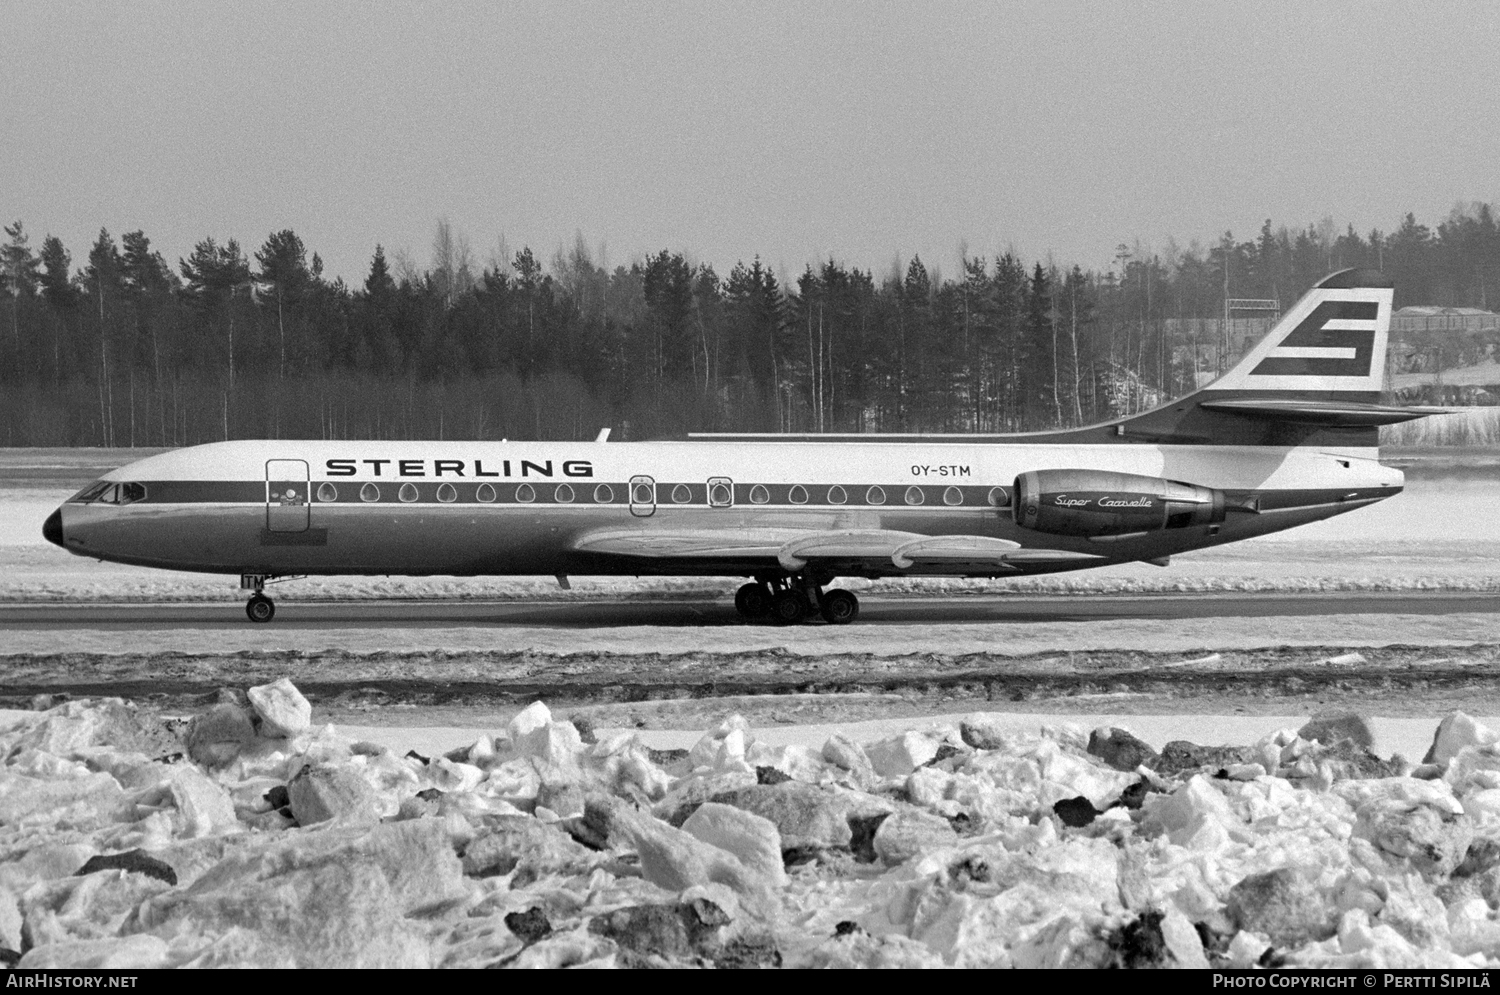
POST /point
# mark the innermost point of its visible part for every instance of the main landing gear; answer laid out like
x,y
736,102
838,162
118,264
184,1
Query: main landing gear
x,y
259,608
788,601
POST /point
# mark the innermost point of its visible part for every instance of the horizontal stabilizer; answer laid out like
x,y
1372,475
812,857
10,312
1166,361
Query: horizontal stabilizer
x,y
962,549
1350,413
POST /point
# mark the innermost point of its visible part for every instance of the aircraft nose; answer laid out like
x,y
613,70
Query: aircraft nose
x,y
52,528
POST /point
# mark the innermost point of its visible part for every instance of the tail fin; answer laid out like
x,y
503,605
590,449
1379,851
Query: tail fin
x,y
1329,346
1315,379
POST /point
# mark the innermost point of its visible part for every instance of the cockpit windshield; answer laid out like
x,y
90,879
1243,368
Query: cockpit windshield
x,y
91,492
108,492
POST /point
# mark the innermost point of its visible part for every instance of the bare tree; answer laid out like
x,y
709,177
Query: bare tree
x,y
404,268
444,270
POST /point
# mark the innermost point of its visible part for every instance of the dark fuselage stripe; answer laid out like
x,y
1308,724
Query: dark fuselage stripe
x,y
667,493
934,497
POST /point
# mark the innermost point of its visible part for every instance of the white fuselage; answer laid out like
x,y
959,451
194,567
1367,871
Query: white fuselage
x,y
464,508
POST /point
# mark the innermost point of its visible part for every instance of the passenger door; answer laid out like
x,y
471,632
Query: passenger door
x,y
286,495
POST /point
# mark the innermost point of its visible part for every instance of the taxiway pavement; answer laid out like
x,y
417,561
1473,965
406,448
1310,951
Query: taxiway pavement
x,y
874,611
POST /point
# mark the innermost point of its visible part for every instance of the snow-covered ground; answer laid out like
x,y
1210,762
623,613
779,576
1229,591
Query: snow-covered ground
x,y
1008,639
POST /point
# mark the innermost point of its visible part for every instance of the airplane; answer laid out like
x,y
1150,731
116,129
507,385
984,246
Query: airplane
x,y
1286,437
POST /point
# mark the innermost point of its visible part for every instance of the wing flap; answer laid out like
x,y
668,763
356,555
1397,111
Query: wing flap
x,y
691,544
1041,556
847,547
962,549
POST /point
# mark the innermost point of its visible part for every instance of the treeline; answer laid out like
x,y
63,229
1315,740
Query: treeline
x,y
123,348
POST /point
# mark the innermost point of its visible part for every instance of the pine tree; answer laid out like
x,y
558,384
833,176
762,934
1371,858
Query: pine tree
x,y
1040,338
103,278
668,286
18,277
379,284
56,261
283,271
215,274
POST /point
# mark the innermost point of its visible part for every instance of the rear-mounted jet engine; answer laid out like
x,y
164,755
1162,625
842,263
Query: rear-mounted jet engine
x,y
1100,503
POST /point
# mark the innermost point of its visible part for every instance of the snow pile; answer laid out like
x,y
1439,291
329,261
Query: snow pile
x,y
248,837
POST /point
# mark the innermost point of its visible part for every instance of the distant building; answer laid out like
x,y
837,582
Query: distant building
x,y
1431,318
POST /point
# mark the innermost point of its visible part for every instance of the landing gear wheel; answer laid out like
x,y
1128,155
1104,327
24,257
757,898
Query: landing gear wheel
x,y
260,608
788,607
752,600
839,607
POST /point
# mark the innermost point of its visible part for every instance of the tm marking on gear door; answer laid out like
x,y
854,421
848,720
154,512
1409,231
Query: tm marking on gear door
x,y
286,495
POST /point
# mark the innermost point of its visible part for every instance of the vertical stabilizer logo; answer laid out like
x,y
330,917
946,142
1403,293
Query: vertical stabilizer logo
x,y
1336,340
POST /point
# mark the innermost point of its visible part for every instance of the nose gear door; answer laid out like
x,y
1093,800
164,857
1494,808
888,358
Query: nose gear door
x,y
286,495
642,496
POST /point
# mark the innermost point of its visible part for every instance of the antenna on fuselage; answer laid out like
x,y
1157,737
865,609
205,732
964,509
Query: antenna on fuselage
x,y
603,435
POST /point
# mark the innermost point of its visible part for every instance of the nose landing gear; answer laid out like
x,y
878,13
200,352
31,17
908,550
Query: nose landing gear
x,y
259,608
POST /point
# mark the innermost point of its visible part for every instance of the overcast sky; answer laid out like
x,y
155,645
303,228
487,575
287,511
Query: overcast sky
x,y
724,130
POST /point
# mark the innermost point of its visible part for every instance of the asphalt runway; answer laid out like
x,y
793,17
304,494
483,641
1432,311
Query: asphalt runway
x,y
874,611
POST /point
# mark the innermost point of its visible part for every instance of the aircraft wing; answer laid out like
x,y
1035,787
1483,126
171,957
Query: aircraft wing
x,y
794,549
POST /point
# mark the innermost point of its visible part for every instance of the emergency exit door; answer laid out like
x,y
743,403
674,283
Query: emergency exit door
x,y
286,495
642,496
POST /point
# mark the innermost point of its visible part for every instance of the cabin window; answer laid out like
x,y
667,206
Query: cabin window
x,y
682,494
798,495
485,493
999,497
604,494
563,494
447,493
327,493
759,494
953,496
369,492
914,495
875,495
643,494
525,494
407,493
719,493
836,495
